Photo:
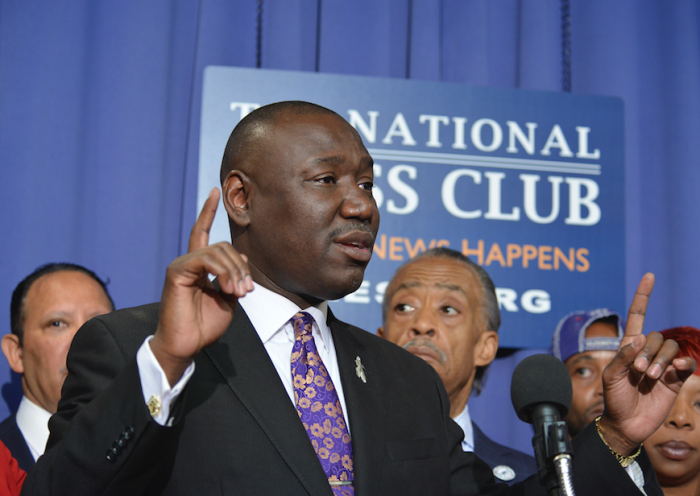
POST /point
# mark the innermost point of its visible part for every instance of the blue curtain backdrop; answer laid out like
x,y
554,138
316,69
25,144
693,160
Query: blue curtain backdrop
x,y
100,101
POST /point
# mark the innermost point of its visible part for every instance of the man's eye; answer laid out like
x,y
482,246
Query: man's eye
x,y
367,186
404,307
584,372
58,323
449,310
327,180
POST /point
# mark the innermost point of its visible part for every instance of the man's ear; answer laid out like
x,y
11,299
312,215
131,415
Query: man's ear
x,y
236,190
13,352
486,348
380,332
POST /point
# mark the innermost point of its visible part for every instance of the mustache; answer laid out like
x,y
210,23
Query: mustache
x,y
426,343
352,226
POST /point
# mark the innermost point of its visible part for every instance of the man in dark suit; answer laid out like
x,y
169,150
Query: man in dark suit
x,y
13,439
47,309
442,307
195,395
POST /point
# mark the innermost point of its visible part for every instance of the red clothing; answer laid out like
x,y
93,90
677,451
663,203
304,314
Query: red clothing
x,y
11,476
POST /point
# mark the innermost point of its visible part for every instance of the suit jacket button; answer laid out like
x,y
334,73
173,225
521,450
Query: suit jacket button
x,y
121,442
111,457
128,432
116,448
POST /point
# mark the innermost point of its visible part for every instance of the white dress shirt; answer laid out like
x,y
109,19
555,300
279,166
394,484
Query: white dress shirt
x,y
464,420
270,314
33,423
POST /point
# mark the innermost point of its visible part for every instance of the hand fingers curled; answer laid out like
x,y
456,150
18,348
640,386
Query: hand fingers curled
x,y
623,363
660,354
685,367
685,363
651,347
236,277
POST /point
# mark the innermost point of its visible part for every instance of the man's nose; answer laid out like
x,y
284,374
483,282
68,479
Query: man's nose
x,y
358,204
599,387
423,324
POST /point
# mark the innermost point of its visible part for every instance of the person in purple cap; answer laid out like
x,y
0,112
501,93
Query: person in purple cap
x,y
587,341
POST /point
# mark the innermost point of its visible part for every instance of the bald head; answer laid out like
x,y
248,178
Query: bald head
x,y
297,187
251,134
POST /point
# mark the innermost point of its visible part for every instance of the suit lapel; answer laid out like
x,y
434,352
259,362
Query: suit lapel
x,y
244,363
363,402
483,444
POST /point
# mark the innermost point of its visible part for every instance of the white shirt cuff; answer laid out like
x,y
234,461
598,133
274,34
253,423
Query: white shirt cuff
x,y
157,392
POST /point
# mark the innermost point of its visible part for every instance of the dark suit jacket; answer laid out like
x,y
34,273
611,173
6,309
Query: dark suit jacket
x,y
235,431
12,437
494,454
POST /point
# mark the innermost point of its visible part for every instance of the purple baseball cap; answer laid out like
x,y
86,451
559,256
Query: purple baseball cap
x,y
570,335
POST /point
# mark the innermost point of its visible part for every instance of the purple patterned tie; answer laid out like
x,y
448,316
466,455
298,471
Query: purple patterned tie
x,y
319,409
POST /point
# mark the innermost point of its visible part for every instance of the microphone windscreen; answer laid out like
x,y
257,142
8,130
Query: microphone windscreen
x,y
540,379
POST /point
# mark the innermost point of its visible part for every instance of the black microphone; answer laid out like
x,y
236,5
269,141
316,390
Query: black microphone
x,y
541,394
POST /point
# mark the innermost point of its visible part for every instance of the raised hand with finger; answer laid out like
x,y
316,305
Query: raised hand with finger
x,y
642,381
193,312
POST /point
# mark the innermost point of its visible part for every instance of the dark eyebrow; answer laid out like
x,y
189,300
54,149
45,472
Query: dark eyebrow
x,y
368,161
335,159
582,357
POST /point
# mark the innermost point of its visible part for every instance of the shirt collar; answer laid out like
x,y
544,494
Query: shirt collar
x,y
464,420
269,312
33,423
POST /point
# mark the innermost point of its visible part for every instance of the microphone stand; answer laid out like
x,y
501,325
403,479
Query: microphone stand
x,y
553,450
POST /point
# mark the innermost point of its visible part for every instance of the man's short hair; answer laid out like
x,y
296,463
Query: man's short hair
x,y
19,295
490,313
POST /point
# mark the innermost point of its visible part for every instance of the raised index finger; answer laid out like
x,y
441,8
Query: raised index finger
x,y
199,236
638,309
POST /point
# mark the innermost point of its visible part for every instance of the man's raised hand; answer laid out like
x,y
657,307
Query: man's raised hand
x,y
642,381
193,314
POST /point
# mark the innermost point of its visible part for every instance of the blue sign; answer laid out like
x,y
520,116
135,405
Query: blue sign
x,y
528,184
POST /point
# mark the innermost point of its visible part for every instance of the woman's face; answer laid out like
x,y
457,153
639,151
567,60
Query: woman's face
x,y
674,448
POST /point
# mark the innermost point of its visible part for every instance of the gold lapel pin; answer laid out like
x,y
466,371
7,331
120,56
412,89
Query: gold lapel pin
x,y
360,369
